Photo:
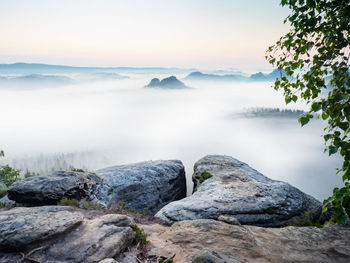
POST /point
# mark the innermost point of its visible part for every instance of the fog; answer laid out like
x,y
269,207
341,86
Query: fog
x,y
93,124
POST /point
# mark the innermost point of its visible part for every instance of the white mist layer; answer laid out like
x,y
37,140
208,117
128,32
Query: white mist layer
x,y
103,123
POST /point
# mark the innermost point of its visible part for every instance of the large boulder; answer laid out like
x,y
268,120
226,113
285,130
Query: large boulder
x,y
62,234
206,239
22,227
227,187
49,190
149,185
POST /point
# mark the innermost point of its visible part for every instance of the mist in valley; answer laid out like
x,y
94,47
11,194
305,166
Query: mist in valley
x,y
109,118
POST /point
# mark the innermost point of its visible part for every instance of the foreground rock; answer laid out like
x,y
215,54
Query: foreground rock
x,y
49,190
149,185
22,227
65,235
237,190
95,240
213,240
61,234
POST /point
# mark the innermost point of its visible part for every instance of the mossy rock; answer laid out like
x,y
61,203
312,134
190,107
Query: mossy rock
x,y
204,176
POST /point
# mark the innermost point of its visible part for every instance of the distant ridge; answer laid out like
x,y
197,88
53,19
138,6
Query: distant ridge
x,y
32,68
235,77
35,79
227,77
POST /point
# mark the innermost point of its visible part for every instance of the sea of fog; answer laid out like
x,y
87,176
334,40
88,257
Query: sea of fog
x,y
94,124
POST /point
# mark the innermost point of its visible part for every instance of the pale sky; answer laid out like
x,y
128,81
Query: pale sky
x,y
169,33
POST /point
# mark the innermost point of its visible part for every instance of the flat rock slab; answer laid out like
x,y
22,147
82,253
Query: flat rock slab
x,y
21,227
237,190
49,190
191,240
149,185
61,234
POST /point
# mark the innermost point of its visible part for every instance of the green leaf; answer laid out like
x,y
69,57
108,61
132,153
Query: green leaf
x,y
303,120
324,116
316,106
332,150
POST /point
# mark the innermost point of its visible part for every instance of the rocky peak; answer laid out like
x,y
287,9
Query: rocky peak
x,y
167,83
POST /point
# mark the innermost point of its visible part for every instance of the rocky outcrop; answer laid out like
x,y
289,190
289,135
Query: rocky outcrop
x,y
49,190
167,83
149,185
61,234
204,238
227,187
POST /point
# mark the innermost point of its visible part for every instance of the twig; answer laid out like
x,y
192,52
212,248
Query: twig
x,y
169,259
138,259
27,256
33,260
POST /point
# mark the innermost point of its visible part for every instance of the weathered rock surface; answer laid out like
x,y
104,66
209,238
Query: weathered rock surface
x,y
5,200
21,227
108,260
235,189
229,220
211,256
61,234
149,185
94,240
48,190
189,238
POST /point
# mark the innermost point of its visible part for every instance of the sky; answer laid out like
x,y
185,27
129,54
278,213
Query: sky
x,y
170,33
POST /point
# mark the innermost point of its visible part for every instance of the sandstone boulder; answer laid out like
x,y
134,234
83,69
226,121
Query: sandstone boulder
x,y
49,190
21,227
227,187
149,185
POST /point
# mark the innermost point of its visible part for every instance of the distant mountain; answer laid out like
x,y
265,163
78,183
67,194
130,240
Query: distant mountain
x,y
35,79
36,68
213,77
235,77
167,83
267,77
